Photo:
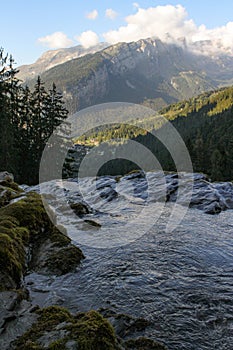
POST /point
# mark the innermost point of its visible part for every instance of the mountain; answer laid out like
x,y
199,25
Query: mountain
x,y
137,72
53,58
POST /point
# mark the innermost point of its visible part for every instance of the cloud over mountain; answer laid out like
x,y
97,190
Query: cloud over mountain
x,y
56,40
169,23
88,39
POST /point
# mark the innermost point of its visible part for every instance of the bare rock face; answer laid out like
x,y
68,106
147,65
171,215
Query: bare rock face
x,y
97,85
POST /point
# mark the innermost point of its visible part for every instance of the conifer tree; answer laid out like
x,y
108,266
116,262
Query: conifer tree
x,y
8,87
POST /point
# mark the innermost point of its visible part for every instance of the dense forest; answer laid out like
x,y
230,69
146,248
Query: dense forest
x,y
205,124
27,119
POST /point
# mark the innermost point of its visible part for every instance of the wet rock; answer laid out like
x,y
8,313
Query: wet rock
x,y
212,198
9,190
92,223
16,317
5,176
143,343
55,254
128,328
106,181
135,174
80,208
51,258
171,189
71,345
213,208
125,325
109,194
57,328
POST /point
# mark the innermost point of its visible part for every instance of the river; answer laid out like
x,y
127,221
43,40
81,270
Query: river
x,y
181,280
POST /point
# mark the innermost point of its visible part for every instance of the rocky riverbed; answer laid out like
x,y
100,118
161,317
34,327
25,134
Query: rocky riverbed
x,y
31,244
146,282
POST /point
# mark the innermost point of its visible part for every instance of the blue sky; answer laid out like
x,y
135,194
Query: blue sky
x,y
24,22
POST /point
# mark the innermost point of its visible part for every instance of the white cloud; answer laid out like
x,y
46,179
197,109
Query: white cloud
x,y
221,36
110,13
88,39
92,15
56,40
173,20
136,4
154,21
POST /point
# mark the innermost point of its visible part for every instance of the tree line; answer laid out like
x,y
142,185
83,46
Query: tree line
x,y
27,119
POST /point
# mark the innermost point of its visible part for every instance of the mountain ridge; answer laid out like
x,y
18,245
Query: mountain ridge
x,y
52,58
137,71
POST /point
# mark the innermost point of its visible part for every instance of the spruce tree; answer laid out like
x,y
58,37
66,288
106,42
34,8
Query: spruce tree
x,y
8,88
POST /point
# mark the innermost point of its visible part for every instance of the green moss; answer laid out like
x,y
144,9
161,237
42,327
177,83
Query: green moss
x,y
12,250
30,213
93,332
143,343
52,316
48,319
6,195
26,222
11,184
58,345
13,238
8,221
59,238
8,190
89,330
11,262
64,260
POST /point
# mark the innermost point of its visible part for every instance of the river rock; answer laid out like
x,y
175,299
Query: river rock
x,y
16,317
5,176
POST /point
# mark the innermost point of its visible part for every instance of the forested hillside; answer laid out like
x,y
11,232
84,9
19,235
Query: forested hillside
x,y
206,125
204,122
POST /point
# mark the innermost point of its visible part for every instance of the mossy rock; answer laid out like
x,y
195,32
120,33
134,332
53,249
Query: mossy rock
x,y
92,331
8,190
80,208
30,213
18,222
26,223
49,318
64,260
143,343
11,184
6,195
59,236
12,252
88,331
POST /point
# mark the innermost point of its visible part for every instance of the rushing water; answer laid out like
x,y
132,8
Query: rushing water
x,y
182,281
